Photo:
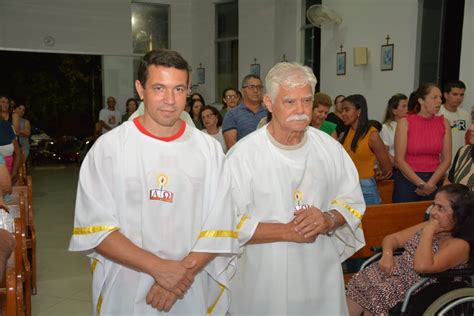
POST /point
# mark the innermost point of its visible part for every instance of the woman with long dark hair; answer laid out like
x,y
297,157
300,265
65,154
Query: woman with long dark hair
x,y
195,112
364,145
443,242
422,148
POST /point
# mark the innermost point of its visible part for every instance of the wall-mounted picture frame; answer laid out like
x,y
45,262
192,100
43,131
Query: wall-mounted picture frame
x,y
386,57
255,69
201,75
341,63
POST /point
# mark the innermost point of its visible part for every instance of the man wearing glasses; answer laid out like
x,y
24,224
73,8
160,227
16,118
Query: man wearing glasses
x,y
242,120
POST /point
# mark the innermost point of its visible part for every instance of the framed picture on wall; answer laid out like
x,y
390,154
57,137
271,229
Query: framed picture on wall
x,y
255,69
341,63
386,57
201,75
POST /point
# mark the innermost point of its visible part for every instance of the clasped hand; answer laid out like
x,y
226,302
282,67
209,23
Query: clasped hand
x,y
172,281
308,223
427,190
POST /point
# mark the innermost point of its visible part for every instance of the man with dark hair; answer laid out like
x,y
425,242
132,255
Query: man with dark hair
x,y
459,118
243,119
152,210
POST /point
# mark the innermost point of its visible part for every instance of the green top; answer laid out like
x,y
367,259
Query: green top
x,y
2,161
328,127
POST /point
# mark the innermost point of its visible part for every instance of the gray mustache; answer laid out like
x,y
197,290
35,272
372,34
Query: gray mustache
x,y
298,117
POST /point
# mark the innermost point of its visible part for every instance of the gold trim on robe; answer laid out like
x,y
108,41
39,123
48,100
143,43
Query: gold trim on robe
x,y
92,229
217,233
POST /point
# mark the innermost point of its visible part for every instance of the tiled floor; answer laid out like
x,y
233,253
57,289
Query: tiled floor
x,y
64,278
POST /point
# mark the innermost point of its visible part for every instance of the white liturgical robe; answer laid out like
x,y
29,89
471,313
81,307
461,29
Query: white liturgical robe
x,y
167,197
269,182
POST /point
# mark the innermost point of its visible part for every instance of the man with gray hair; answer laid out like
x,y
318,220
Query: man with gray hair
x,y
299,207
243,119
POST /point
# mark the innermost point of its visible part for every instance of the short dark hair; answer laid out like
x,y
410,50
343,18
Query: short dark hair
x,y
161,57
214,111
225,91
248,77
448,86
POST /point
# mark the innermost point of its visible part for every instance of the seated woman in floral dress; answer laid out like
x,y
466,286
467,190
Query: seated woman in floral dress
x,y
443,242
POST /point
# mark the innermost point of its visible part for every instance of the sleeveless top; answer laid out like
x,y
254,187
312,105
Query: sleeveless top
x,y
424,142
363,158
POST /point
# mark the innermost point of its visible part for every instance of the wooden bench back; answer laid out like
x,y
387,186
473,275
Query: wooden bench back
x,y
385,188
384,219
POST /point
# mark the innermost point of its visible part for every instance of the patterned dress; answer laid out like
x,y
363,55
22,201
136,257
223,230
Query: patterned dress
x,y
377,291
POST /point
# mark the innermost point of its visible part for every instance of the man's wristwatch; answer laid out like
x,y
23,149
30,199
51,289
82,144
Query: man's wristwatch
x,y
333,218
421,186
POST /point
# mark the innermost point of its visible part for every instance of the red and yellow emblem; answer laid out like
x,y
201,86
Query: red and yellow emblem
x,y
161,194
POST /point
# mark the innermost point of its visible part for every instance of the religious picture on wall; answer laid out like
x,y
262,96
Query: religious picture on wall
x,y
255,69
341,63
201,75
386,56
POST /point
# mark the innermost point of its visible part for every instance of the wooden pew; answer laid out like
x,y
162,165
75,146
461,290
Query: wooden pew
x,y
30,231
384,219
22,264
11,292
385,188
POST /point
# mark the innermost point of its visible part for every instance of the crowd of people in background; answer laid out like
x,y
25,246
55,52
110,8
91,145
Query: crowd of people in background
x,y
425,144
420,144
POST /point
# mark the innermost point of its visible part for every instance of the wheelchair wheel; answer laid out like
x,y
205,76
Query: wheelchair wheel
x,y
458,302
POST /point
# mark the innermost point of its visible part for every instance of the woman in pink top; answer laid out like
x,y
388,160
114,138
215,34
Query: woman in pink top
x,y
422,148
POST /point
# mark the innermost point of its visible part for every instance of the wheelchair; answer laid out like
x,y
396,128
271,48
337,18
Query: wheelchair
x,y
452,294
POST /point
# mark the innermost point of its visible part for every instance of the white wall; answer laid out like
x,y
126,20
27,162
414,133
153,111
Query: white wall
x,y
86,26
466,73
256,36
203,48
267,30
366,23
117,79
288,37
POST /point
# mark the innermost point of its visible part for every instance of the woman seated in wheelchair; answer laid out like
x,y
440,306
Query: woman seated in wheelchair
x,y
443,242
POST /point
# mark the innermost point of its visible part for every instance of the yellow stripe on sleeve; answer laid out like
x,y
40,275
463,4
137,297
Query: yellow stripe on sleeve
x,y
92,229
352,210
217,233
